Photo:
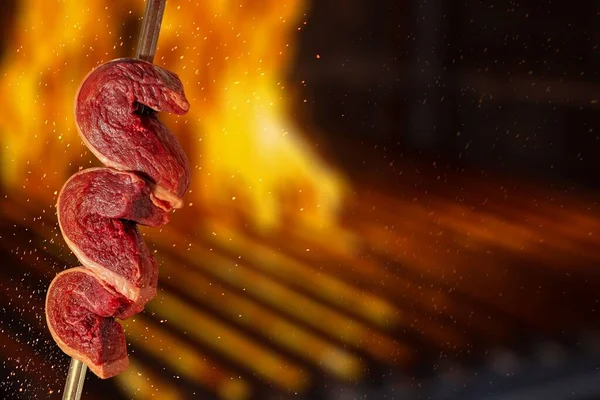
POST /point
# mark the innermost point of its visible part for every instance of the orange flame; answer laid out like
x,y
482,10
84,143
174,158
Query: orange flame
x,y
232,58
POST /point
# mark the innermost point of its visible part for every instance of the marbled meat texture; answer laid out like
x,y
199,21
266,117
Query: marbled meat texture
x,y
105,112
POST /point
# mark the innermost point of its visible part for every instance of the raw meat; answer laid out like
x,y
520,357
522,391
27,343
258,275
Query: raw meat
x,y
98,209
105,111
79,313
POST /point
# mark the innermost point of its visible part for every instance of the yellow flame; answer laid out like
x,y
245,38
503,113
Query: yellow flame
x,y
232,57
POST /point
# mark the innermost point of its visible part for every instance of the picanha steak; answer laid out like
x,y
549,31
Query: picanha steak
x,y
99,208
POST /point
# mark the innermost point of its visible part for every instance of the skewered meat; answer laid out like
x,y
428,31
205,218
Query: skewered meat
x,y
99,208
123,139
81,308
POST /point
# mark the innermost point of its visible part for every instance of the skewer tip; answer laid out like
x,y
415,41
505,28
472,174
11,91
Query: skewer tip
x,y
75,380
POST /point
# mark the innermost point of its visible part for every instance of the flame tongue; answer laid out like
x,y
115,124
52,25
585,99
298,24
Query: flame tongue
x,y
238,134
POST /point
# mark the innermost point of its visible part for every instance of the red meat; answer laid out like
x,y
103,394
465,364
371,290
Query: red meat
x,y
79,313
105,111
97,211
99,208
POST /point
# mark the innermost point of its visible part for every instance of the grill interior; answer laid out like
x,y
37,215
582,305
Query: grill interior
x,y
441,298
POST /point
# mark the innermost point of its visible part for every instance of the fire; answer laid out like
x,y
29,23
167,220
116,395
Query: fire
x,y
232,57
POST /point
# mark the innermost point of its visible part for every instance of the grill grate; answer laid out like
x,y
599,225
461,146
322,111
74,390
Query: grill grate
x,y
439,298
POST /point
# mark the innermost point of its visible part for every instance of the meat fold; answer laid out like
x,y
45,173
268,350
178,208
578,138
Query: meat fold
x,y
110,124
98,210
79,314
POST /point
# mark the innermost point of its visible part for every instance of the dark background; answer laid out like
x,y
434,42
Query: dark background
x,y
504,86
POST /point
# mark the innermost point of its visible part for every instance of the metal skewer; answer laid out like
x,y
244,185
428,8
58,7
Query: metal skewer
x,y
75,379
148,40
146,49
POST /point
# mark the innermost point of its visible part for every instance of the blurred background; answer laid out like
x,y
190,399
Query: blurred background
x,y
390,200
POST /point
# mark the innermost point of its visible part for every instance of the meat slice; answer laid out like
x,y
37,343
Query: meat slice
x,y
106,114
98,209
79,314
